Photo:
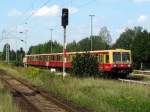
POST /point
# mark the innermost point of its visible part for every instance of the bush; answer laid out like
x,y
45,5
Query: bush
x,y
18,63
136,72
85,65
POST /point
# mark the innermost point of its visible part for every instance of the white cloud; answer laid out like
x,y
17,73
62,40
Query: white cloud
x,y
119,30
54,10
130,21
73,10
48,11
15,12
142,19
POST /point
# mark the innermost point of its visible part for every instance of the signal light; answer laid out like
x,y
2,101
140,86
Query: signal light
x,y
64,19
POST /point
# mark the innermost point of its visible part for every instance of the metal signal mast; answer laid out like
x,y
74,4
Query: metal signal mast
x,y
64,23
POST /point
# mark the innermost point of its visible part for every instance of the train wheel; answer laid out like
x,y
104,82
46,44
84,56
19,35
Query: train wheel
x,y
123,76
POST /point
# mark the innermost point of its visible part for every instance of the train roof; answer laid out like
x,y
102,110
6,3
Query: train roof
x,y
68,53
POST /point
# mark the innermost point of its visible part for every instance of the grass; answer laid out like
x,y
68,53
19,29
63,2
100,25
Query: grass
x,y
97,95
6,101
147,78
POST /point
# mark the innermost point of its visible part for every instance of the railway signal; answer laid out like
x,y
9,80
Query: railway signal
x,y
64,19
64,23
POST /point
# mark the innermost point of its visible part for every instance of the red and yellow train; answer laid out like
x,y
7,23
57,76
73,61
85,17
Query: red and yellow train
x,y
116,62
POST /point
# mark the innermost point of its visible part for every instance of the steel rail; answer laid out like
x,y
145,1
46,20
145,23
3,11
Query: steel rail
x,y
135,82
38,91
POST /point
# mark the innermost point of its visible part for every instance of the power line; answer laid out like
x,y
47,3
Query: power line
x,y
85,4
29,8
45,3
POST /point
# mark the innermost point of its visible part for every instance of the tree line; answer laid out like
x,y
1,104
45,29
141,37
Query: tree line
x,y
135,39
100,41
138,41
15,57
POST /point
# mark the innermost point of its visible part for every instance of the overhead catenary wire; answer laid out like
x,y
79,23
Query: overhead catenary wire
x,y
29,8
25,21
32,14
45,3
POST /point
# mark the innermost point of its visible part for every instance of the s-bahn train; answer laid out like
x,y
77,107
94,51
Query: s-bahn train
x,y
116,62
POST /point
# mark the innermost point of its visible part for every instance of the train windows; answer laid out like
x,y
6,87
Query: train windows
x,y
61,58
68,58
101,58
55,58
30,58
38,58
42,58
116,57
125,57
107,58
45,58
98,58
52,58
58,58
34,58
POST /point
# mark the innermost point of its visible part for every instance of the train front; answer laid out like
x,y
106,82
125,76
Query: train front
x,y
122,63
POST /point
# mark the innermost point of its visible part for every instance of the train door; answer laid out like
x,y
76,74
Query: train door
x,y
102,61
105,60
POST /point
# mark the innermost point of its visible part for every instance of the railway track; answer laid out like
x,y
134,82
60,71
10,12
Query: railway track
x,y
39,100
145,72
135,82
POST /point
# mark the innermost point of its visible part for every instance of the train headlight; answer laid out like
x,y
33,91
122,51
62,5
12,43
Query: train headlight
x,y
114,65
129,65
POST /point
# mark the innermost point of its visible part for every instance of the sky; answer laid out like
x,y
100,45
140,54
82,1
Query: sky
x,y
31,20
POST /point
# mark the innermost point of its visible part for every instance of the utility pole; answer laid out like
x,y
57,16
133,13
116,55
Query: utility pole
x,y
24,40
7,46
51,39
91,30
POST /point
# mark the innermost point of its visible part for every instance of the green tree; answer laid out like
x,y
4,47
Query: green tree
x,y
125,40
136,40
72,47
20,55
12,55
105,35
4,51
46,48
85,65
85,44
